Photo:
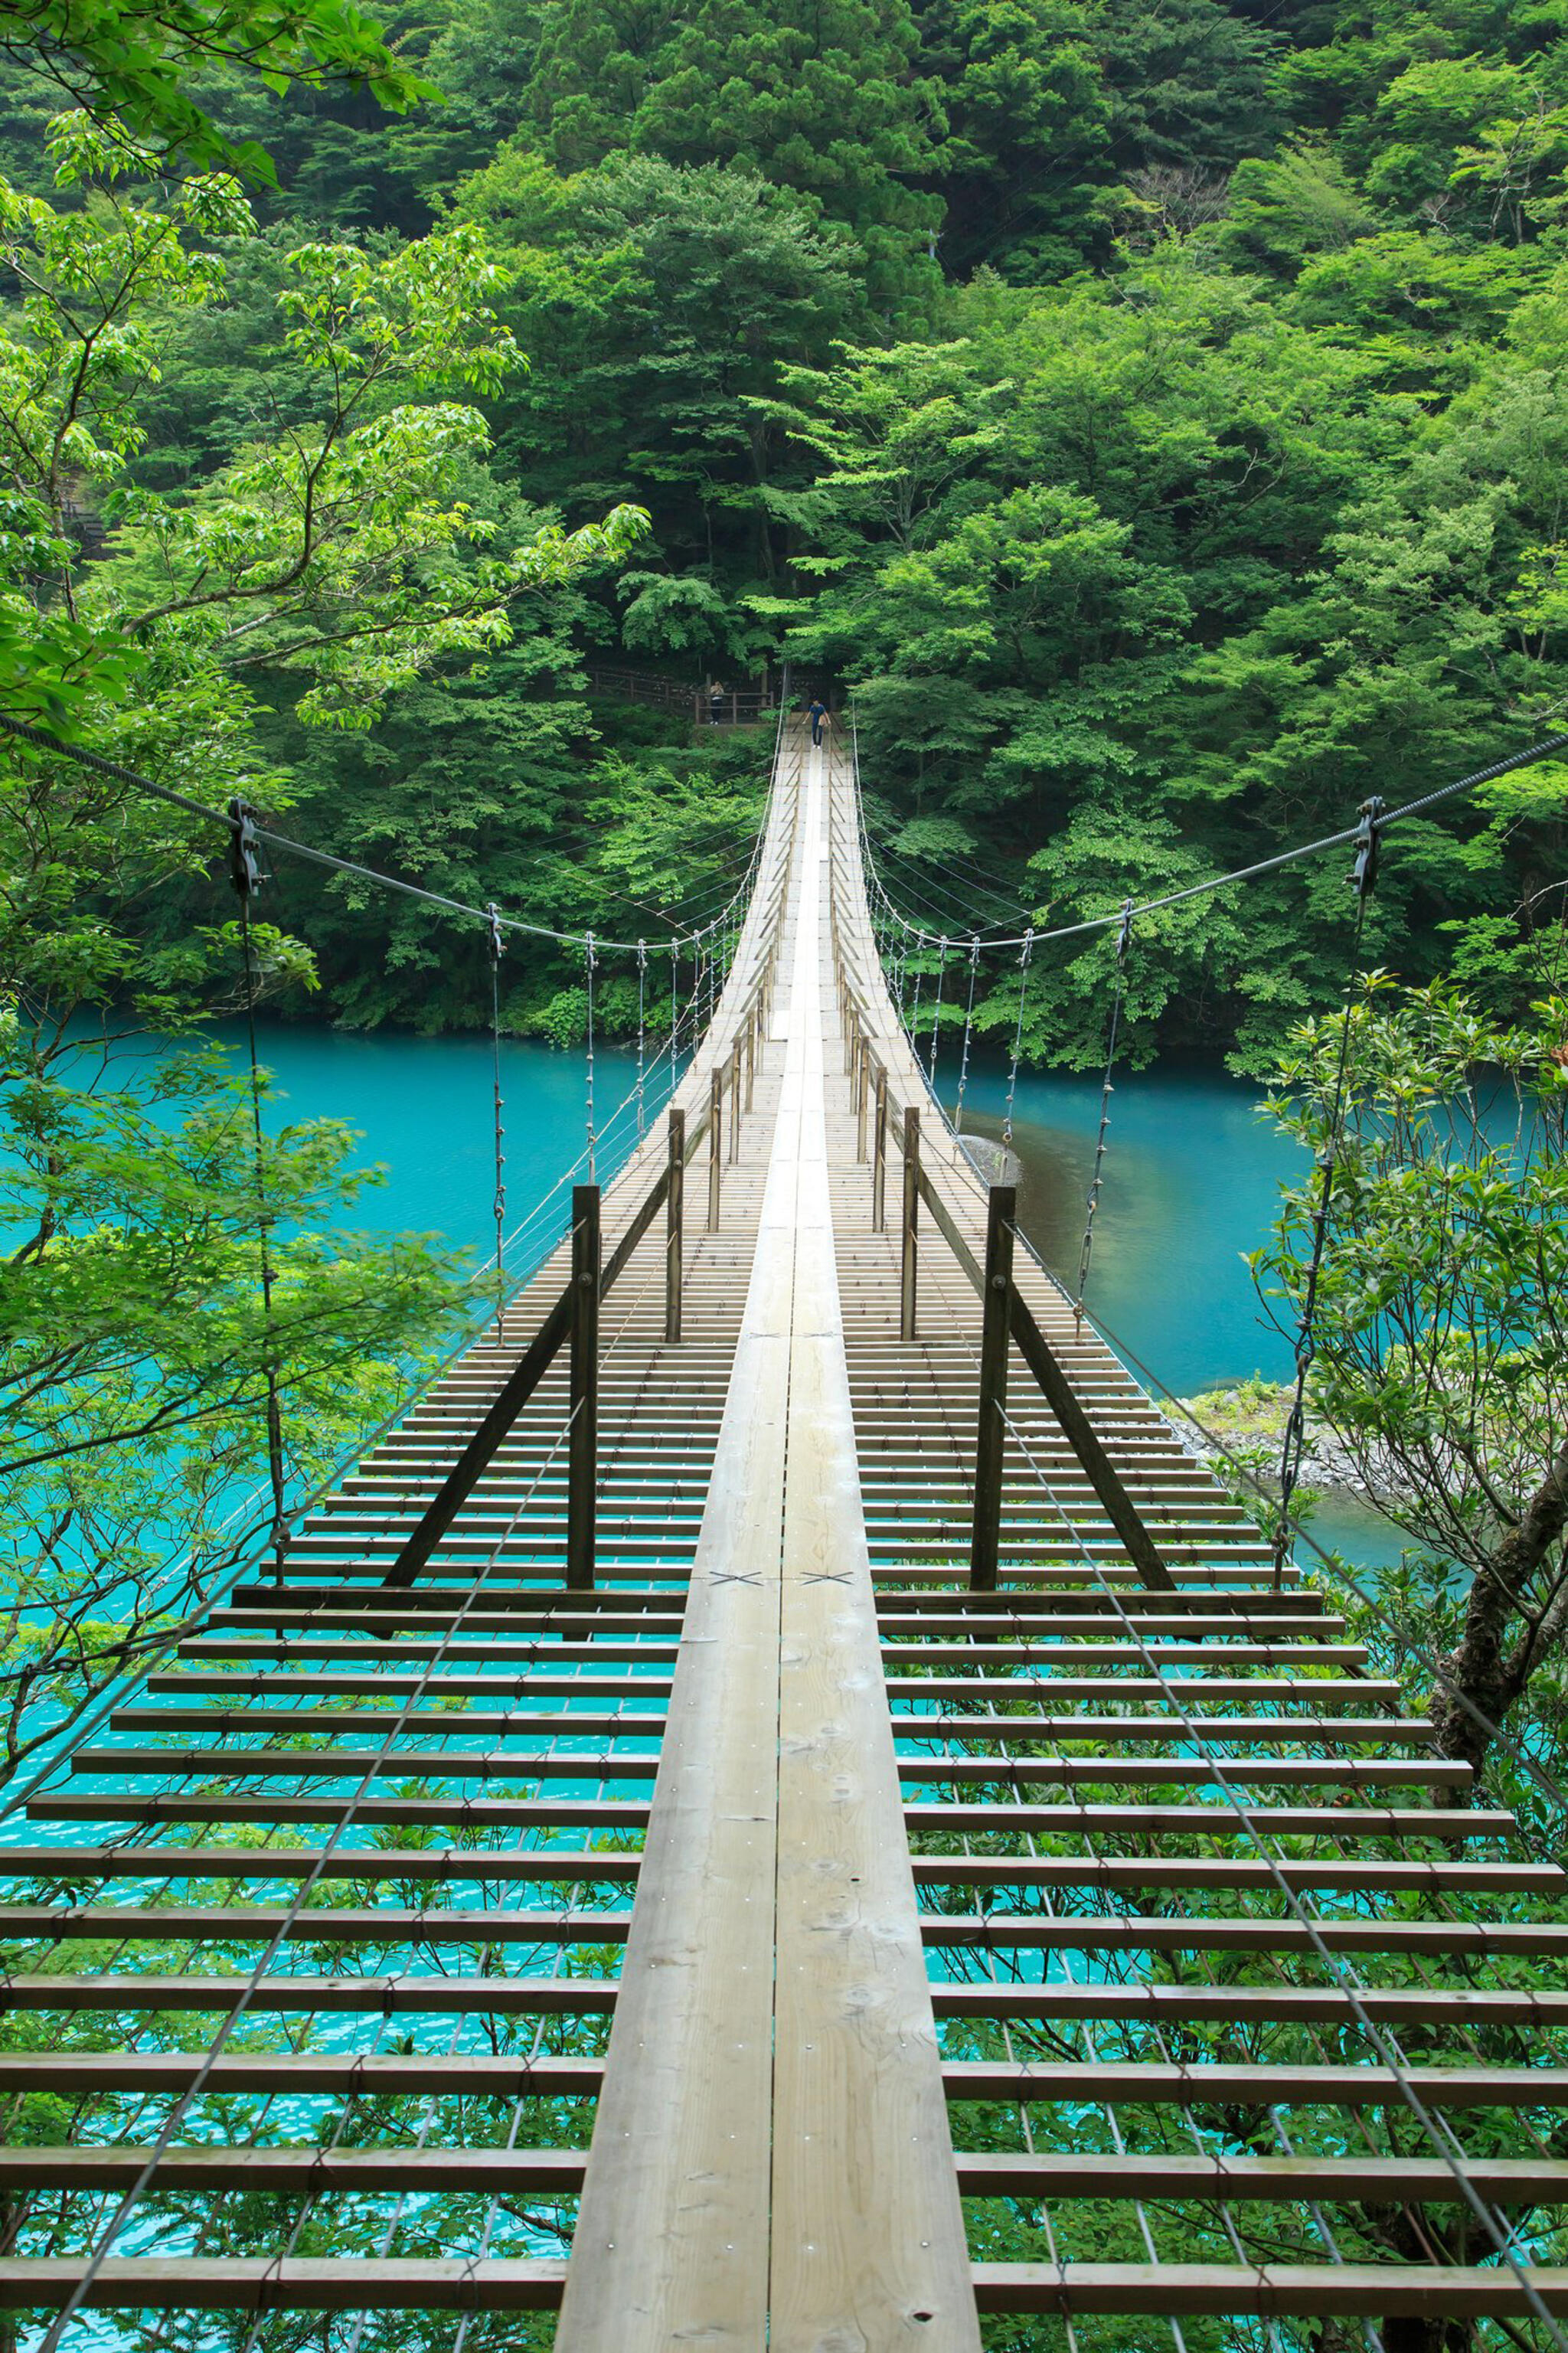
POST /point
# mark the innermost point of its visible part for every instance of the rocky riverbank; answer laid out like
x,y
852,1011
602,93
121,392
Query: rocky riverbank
x,y
1248,1420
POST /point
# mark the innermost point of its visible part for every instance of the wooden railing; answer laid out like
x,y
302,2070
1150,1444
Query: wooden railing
x,y
731,707
573,1320
1006,1315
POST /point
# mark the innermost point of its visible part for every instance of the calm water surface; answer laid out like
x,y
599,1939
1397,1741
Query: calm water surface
x,y
1192,1174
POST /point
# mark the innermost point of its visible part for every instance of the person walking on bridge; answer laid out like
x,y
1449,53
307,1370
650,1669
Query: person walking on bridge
x,y
816,711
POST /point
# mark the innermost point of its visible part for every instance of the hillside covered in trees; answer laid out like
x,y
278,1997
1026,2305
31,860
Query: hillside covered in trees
x,y
1154,411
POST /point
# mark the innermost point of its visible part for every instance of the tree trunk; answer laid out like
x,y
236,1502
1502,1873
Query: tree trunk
x,y
1482,1666
1427,2336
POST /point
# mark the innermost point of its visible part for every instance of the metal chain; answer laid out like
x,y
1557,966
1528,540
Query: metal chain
x,y
642,1038
591,963
1025,952
1363,881
1091,1205
968,1032
497,949
245,876
936,1013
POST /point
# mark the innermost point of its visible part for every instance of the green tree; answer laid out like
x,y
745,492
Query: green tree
x,y
336,557
830,103
663,302
1441,1345
129,64
1025,162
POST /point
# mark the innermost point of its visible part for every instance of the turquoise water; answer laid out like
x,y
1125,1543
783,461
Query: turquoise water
x,y
1192,1174
423,1109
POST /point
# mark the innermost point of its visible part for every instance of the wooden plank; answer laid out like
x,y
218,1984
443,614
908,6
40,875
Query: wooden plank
x,y
1455,2009
1213,2083
672,2229
1387,2180
868,2231
280,2075
283,2284
1310,2291
441,1996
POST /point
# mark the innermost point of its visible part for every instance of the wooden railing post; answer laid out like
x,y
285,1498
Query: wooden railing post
x,y
715,1145
751,1055
911,1214
862,1069
583,1437
879,1158
735,1103
675,1203
986,1543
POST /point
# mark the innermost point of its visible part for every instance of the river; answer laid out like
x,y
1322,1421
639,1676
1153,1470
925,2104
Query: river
x,y
1192,1173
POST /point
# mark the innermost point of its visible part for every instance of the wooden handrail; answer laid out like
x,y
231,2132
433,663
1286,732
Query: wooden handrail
x,y
1049,1375
541,1353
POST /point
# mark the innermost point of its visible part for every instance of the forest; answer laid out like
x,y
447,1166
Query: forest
x,y
1152,415
1145,420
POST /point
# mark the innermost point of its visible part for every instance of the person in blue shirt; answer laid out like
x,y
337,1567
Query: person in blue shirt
x,y
816,711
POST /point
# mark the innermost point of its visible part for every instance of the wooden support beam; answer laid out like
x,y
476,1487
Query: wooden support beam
x,y
879,1157
715,1146
479,1451
910,1244
991,1434
675,1211
583,1430
1302,2290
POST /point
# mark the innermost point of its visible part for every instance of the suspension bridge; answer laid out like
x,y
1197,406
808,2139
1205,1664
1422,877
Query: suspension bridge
x,y
779,1777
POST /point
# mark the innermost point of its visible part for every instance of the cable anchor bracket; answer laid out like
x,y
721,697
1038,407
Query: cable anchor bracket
x,y
1363,876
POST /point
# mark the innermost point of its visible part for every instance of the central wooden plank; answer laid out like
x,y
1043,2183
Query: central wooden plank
x,y
867,2228
672,2233
758,2179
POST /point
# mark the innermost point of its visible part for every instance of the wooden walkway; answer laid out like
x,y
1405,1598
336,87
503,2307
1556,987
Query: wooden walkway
x,y
831,1954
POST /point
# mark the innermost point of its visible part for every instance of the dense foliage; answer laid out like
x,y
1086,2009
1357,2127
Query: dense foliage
x,y
1153,410
1155,414
1440,1349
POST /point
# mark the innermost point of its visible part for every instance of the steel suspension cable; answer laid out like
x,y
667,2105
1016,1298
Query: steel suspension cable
x,y
327,860
1551,747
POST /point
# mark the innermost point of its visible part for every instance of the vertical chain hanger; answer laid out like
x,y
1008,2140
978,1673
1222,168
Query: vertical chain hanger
x,y
245,876
1362,880
497,948
968,1033
936,1013
642,1038
1092,1207
1025,952
590,965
